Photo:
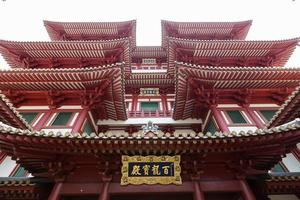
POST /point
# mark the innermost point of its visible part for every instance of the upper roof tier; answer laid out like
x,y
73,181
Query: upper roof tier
x,y
289,111
91,30
10,116
65,54
99,88
230,53
198,87
204,30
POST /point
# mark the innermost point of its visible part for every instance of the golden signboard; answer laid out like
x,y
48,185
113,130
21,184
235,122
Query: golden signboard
x,y
138,170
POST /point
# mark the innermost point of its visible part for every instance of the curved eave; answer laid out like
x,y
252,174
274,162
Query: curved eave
x,y
283,183
161,80
61,79
288,111
231,78
231,53
188,142
91,30
60,53
109,78
10,116
205,30
24,188
44,146
149,52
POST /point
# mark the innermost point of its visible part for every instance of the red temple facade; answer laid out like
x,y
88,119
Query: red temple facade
x,y
91,115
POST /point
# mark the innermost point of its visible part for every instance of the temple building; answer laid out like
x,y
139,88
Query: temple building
x,y
208,115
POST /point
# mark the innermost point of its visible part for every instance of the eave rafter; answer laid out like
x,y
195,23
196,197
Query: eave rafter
x,y
203,86
205,30
230,53
35,150
89,87
10,116
66,54
157,80
289,110
91,30
156,52
283,183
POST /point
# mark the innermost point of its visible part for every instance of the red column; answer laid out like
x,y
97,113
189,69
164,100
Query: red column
x,y
44,119
104,192
246,191
219,119
80,120
253,116
198,193
134,102
164,102
55,191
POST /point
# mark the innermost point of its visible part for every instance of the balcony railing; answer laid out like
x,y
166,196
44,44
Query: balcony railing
x,y
142,114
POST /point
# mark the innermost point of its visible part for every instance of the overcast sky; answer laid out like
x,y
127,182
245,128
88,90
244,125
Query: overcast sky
x,y
22,20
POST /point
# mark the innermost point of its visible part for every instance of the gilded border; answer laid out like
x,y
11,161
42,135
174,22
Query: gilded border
x,y
176,179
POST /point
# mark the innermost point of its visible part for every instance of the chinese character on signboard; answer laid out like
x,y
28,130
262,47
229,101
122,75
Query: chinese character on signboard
x,y
150,170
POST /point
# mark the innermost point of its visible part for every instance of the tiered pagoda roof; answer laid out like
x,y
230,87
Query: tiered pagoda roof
x,y
289,110
283,183
204,30
156,52
24,188
230,53
10,116
65,54
139,80
264,147
83,86
211,85
91,30
89,64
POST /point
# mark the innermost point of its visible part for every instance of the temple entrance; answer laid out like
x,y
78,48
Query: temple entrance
x,y
89,197
223,196
158,196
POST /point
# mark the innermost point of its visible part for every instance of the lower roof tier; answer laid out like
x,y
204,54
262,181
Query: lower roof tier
x,y
230,53
40,188
198,87
103,88
259,150
289,111
66,54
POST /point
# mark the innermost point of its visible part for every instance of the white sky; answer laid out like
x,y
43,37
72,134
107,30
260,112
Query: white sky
x,y
22,20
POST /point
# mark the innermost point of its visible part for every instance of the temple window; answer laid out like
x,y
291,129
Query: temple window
x,y
211,127
267,114
278,168
19,172
236,117
62,119
149,61
29,116
149,106
88,128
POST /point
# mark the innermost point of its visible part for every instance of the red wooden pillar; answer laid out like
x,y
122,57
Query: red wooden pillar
x,y
197,191
80,120
55,193
164,102
134,102
219,119
104,192
246,190
106,182
198,194
253,116
42,122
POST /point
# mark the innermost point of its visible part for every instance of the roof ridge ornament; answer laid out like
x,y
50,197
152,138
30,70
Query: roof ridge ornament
x,y
150,128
